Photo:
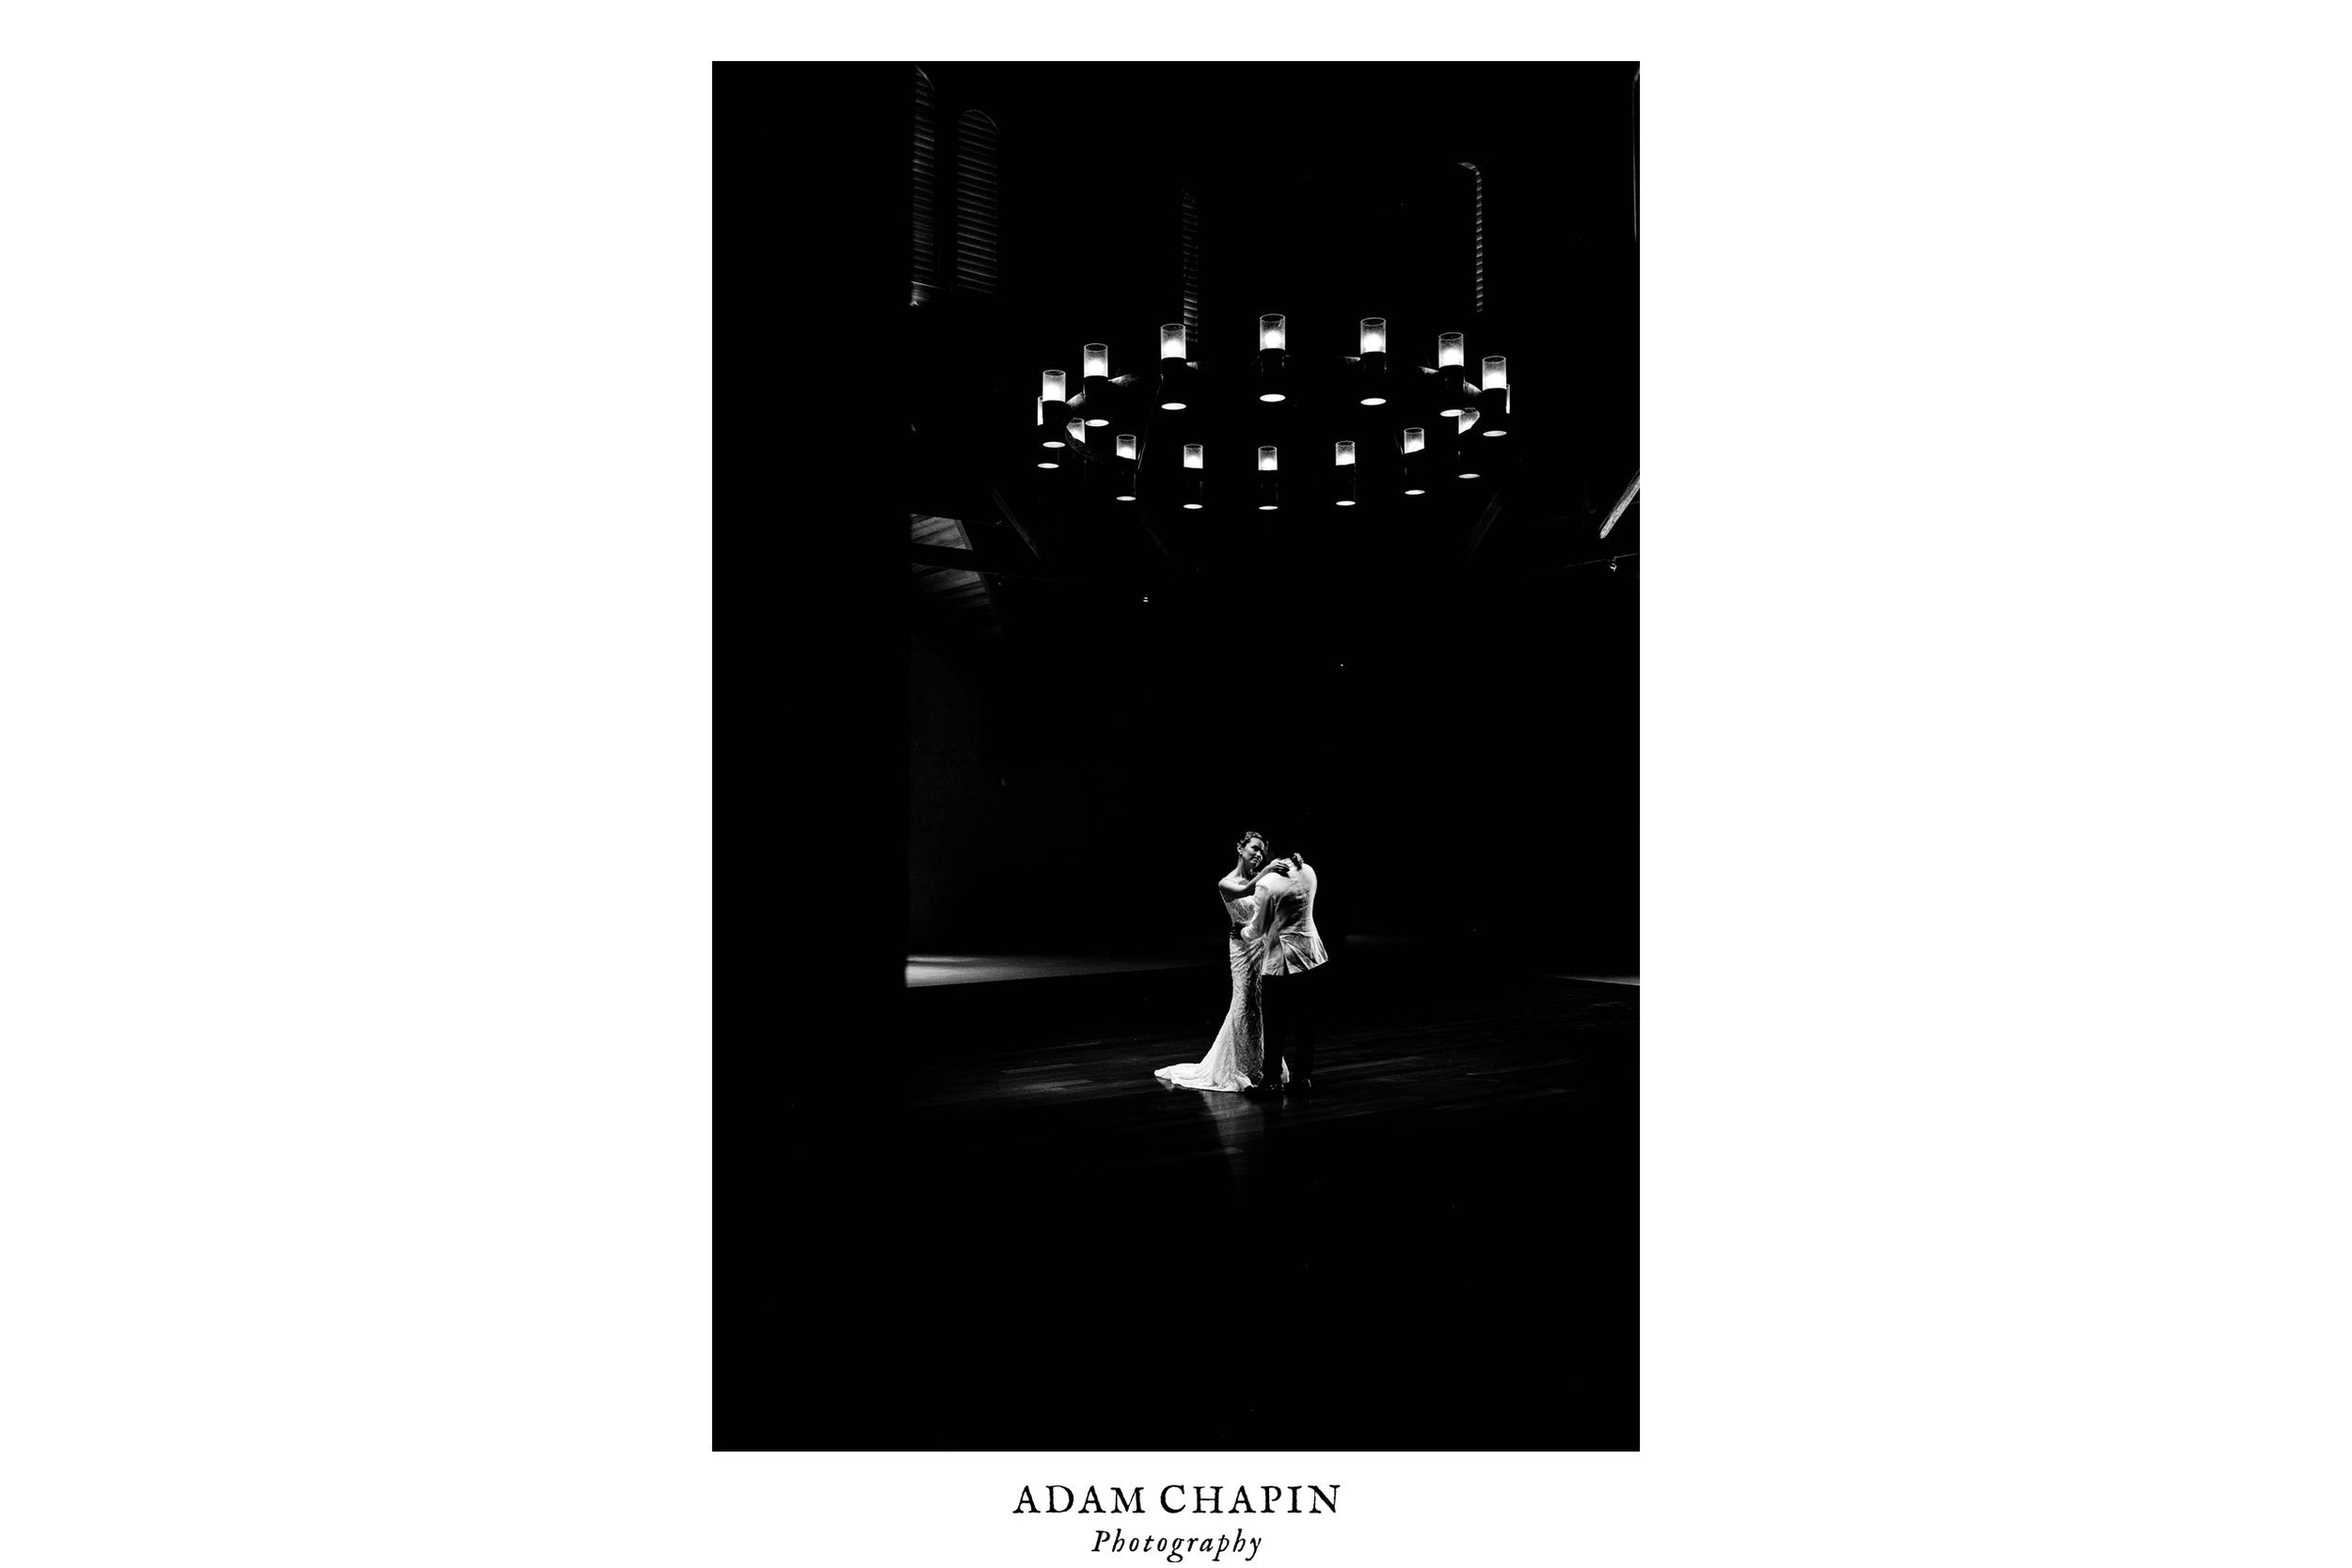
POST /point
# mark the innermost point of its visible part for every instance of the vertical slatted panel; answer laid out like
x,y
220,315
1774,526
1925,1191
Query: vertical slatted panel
x,y
1192,278
926,189
1478,238
976,202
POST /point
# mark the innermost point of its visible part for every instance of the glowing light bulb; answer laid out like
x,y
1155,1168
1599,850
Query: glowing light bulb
x,y
1056,385
1342,453
1372,335
1448,349
1269,332
1494,369
1098,359
1172,340
1192,454
1265,460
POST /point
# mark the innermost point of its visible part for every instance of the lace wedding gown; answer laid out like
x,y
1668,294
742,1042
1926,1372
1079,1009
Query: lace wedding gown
x,y
1237,1060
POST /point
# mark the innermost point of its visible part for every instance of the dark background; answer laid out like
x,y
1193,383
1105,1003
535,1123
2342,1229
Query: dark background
x,y
1436,703
1074,778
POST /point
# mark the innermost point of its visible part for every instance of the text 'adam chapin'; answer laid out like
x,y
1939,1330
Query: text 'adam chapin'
x,y
1173,1499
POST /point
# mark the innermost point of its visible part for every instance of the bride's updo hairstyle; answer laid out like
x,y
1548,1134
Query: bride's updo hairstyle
x,y
1243,843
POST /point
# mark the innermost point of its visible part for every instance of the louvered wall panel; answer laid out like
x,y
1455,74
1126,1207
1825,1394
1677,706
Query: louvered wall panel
x,y
926,188
1192,278
1477,238
951,601
976,203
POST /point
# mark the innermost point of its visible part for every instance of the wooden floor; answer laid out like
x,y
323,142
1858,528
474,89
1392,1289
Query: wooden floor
x,y
1016,1237
966,969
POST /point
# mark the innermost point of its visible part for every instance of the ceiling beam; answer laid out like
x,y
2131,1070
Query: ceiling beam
x,y
1622,501
991,561
1594,561
1485,521
1143,516
1004,509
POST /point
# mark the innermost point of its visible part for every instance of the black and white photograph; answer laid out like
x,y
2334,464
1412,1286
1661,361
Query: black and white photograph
x,y
1268,515
919,786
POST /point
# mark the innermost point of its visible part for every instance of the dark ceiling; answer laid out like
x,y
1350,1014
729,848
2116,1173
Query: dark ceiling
x,y
1326,193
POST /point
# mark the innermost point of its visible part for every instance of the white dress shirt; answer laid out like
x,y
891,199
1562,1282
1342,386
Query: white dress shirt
x,y
1286,916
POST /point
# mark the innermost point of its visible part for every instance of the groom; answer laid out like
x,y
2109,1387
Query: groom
x,y
1294,971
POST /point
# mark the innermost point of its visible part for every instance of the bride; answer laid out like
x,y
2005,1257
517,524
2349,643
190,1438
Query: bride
x,y
1237,1060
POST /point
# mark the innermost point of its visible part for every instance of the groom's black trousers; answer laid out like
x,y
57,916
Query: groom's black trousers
x,y
1293,1015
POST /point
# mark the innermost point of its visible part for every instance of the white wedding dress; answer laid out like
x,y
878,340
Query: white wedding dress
x,y
1237,1060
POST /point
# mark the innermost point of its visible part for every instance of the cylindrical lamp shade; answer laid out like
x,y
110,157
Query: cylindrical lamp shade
x,y
1454,388
1343,453
1172,340
1265,460
1495,373
1448,349
1414,465
1494,405
1057,386
1126,446
1192,454
1270,358
1097,359
1372,335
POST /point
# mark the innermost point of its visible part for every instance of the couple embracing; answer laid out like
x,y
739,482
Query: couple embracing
x,y
1272,951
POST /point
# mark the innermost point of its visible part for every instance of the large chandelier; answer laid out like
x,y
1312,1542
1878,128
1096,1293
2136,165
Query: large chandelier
x,y
1358,403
